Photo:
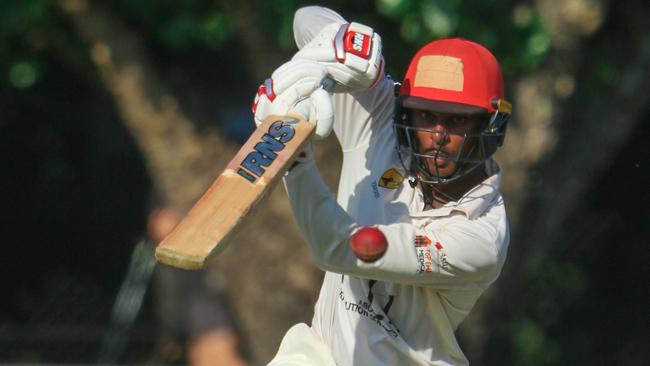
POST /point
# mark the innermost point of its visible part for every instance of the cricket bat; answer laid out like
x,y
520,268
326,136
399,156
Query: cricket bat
x,y
252,173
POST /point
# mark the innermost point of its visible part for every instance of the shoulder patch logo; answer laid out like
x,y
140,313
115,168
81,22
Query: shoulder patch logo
x,y
391,179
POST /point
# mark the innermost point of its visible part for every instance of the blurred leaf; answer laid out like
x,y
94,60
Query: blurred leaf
x,y
440,17
179,31
515,35
393,8
532,346
215,29
538,44
23,74
280,19
411,28
18,16
180,24
522,15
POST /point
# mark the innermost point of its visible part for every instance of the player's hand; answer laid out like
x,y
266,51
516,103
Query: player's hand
x,y
351,52
298,86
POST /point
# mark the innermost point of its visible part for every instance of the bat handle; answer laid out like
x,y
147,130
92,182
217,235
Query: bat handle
x,y
302,107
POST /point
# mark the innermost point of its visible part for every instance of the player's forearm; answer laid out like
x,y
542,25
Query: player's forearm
x,y
327,228
324,224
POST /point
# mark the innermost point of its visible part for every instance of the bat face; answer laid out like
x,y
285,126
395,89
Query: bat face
x,y
252,173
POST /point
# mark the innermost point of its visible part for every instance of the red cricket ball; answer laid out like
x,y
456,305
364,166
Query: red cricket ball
x,y
368,244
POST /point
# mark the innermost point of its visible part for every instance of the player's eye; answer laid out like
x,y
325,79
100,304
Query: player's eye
x,y
425,115
428,116
458,120
456,124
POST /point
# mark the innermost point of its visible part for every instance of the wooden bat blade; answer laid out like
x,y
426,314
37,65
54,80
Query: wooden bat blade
x,y
253,172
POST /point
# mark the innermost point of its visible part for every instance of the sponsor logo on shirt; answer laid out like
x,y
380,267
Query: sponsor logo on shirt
x,y
442,256
365,309
423,251
422,241
390,179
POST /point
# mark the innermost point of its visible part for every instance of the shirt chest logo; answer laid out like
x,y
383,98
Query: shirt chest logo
x,y
391,179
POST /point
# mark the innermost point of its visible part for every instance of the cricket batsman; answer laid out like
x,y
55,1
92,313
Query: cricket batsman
x,y
418,178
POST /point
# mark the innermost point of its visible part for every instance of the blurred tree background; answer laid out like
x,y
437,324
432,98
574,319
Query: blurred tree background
x,y
103,103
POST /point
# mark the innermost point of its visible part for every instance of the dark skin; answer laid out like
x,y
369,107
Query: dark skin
x,y
446,136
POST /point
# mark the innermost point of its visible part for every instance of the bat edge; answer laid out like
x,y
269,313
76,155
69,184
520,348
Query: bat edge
x,y
179,260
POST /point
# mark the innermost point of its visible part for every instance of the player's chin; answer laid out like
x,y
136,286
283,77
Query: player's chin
x,y
442,168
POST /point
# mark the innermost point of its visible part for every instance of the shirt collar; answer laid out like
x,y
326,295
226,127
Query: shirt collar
x,y
472,204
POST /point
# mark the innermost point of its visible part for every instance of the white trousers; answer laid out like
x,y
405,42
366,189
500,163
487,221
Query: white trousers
x,y
302,347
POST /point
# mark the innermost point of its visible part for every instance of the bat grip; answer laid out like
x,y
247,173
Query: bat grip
x,y
302,107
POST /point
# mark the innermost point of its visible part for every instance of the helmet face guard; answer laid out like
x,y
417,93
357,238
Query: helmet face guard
x,y
475,148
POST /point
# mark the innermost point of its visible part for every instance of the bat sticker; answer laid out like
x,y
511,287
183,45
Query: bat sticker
x,y
254,164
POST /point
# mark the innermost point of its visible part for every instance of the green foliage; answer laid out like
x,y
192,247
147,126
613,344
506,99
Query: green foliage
x,y
185,29
516,35
24,27
24,74
180,24
553,286
283,19
423,20
20,16
532,346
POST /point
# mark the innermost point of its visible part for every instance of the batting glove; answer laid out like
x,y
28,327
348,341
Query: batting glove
x,y
298,86
351,53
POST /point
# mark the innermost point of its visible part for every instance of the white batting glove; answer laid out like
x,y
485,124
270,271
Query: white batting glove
x,y
297,86
351,52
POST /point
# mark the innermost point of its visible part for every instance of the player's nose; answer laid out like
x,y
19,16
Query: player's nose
x,y
439,134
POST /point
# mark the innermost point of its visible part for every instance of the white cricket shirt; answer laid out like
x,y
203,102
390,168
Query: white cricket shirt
x,y
404,308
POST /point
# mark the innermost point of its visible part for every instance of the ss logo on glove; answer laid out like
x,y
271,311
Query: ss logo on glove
x,y
350,41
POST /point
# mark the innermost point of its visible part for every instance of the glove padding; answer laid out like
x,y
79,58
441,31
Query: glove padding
x,y
351,53
297,86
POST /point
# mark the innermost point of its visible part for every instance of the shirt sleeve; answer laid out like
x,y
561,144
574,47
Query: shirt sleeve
x,y
358,115
309,20
456,253
354,113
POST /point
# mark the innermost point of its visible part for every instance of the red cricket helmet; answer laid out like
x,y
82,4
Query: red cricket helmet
x,y
453,75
